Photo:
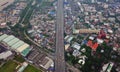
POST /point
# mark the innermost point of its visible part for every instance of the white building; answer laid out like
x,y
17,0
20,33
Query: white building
x,y
76,46
99,41
110,31
68,38
91,38
76,53
107,67
5,55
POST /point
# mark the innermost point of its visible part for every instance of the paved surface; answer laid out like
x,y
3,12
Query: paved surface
x,y
72,68
59,54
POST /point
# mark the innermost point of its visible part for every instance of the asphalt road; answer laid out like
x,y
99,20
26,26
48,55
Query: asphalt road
x,y
59,54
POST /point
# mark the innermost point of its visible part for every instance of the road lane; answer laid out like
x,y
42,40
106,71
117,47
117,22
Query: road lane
x,y
59,54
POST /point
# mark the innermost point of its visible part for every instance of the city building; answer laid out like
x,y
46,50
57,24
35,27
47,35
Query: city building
x,y
15,44
5,3
68,38
86,31
92,45
76,46
107,67
24,65
5,55
76,53
3,25
67,46
46,63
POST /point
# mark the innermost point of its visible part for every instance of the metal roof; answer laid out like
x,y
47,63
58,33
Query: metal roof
x,y
18,44
9,38
15,40
3,37
23,47
6,54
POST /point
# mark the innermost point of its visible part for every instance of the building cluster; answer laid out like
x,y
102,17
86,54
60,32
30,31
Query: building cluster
x,y
90,25
11,15
9,44
43,27
5,3
39,59
42,32
14,44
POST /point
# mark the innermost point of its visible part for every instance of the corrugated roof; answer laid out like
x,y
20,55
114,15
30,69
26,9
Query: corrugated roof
x,y
25,52
3,37
6,54
23,47
15,40
9,38
18,44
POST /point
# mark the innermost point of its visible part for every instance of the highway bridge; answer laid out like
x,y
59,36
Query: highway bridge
x,y
59,54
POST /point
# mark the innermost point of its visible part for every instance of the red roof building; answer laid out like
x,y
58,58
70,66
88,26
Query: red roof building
x,y
102,34
94,47
91,45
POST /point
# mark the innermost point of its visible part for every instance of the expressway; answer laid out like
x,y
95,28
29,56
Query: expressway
x,y
59,54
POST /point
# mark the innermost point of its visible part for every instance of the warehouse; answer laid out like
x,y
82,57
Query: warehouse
x,y
22,48
7,39
10,43
5,55
15,44
3,37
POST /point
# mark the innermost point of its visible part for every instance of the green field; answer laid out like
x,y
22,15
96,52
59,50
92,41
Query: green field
x,y
19,58
31,69
9,67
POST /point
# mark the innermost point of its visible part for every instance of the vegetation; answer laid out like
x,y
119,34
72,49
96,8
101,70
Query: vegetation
x,y
9,67
31,69
19,58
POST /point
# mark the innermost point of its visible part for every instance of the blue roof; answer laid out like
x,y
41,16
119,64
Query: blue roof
x,y
51,12
65,3
51,69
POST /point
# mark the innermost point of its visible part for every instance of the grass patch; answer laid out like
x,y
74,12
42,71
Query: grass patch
x,y
30,68
19,58
9,67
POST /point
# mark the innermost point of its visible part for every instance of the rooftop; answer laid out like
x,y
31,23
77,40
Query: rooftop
x,y
9,38
3,37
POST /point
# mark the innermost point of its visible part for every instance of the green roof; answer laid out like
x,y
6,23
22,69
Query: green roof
x,y
15,40
9,38
21,69
3,37
18,44
25,52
